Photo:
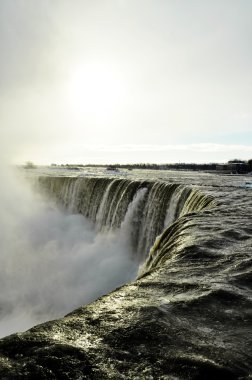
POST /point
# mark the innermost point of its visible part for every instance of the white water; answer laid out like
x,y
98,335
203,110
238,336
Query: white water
x,y
53,261
172,206
102,207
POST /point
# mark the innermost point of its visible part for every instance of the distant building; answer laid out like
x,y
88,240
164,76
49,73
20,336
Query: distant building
x,y
233,168
30,165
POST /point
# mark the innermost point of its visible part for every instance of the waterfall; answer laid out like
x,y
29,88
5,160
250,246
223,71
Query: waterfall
x,y
186,316
105,201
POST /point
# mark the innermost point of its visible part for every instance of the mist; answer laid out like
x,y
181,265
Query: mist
x,y
53,261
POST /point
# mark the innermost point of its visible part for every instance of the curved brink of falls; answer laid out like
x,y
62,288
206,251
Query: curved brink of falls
x,y
188,316
105,202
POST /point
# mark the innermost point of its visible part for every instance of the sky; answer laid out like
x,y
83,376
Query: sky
x,y
125,81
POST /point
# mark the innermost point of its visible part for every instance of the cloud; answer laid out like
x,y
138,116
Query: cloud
x,y
184,73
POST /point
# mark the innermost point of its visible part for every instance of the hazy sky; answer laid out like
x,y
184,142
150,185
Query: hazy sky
x,y
125,80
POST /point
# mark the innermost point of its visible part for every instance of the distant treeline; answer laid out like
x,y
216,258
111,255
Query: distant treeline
x,y
177,166
232,166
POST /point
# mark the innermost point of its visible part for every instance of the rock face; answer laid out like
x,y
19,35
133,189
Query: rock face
x,y
187,316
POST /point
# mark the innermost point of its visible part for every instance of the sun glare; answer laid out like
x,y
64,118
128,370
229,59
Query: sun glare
x,y
94,89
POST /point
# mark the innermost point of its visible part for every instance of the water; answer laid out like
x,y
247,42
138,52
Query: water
x,y
189,313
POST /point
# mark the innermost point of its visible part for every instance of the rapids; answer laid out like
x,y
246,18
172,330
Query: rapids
x,y
187,316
